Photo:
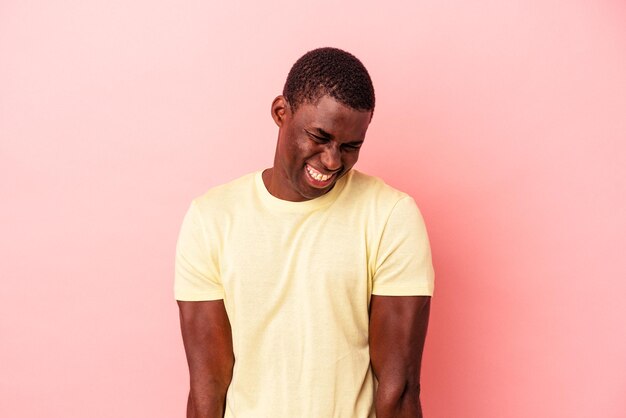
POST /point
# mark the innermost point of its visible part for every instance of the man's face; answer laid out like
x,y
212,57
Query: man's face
x,y
317,145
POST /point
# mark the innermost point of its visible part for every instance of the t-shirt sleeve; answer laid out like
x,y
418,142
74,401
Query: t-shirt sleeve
x,y
404,264
196,275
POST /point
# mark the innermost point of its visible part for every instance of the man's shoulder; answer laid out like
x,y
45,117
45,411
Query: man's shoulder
x,y
227,194
370,187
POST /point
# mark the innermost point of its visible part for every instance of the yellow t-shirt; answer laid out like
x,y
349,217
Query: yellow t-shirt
x,y
296,279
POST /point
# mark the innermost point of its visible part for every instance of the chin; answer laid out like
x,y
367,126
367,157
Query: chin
x,y
313,192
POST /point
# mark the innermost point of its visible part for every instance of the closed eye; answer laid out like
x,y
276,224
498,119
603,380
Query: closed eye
x,y
352,147
316,138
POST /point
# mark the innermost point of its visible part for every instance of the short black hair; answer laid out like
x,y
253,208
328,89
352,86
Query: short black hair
x,y
332,72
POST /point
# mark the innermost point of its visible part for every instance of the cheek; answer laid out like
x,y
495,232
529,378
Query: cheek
x,y
294,152
350,159
299,149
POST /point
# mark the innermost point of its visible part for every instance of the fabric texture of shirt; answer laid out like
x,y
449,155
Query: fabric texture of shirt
x,y
296,279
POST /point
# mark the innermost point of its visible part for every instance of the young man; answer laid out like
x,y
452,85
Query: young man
x,y
304,289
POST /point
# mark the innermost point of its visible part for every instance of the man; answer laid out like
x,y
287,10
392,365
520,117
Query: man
x,y
304,289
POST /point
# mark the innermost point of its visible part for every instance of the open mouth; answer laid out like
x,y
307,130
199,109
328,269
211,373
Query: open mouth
x,y
317,179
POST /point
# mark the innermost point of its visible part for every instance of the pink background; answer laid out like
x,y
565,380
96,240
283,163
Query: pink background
x,y
505,121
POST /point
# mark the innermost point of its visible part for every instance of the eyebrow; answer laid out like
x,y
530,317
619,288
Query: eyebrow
x,y
322,133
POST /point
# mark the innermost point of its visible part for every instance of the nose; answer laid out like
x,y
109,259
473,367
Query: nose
x,y
331,157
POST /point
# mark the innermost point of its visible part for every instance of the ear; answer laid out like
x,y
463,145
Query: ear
x,y
280,110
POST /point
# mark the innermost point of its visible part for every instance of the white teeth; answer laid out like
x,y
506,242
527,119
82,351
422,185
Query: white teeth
x,y
316,174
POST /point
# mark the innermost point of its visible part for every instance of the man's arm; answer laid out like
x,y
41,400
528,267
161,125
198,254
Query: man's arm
x,y
209,347
397,332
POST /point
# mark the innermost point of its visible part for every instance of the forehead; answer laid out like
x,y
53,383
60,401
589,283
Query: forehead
x,y
333,117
